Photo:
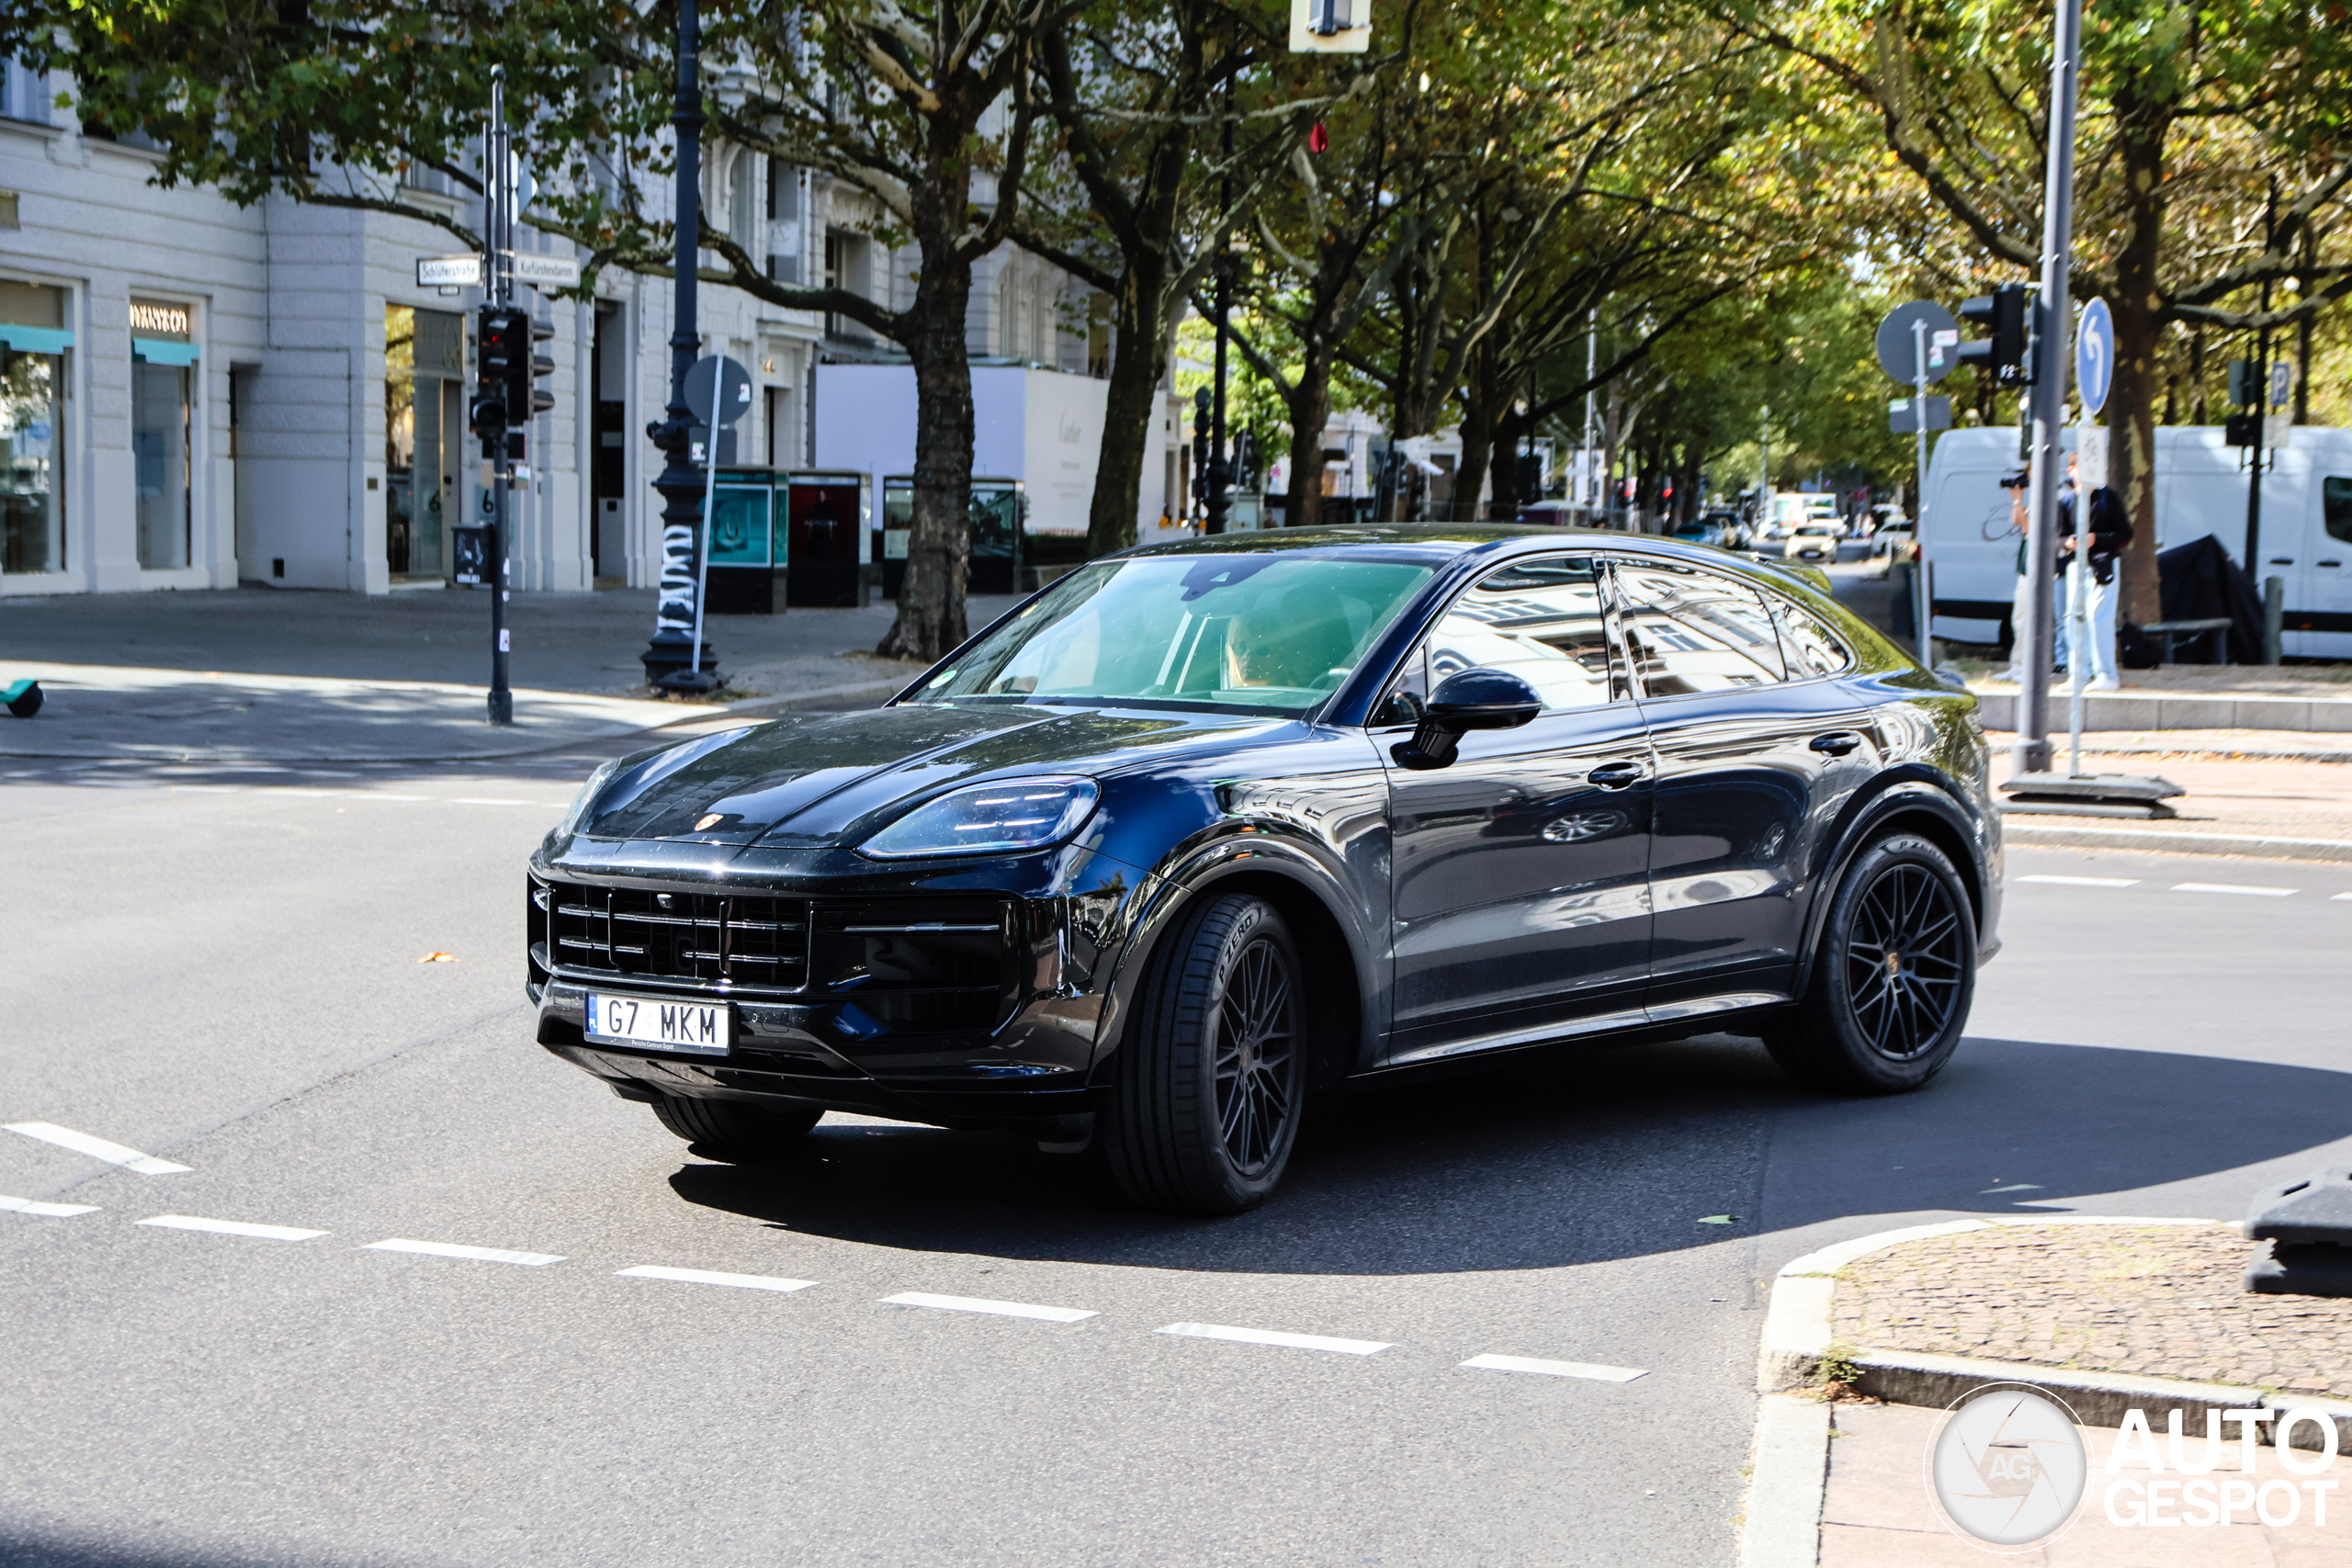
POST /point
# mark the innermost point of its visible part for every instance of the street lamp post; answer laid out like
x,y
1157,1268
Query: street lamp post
x,y
670,661
498,285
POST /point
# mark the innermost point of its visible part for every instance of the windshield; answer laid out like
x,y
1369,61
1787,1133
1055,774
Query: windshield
x,y
1266,633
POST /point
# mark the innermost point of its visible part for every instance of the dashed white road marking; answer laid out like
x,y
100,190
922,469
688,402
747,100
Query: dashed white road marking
x,y
995,1309
46,1211
2085,881
232,1227
705,1277
2247,889
486,800
97,1148
1557,1368
1269,1336
2341,899
472,1254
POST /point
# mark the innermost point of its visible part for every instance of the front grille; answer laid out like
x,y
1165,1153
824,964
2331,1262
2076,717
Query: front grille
x,y
753,941
911,966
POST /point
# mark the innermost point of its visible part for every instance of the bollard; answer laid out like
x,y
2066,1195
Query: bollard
x,y
2274,614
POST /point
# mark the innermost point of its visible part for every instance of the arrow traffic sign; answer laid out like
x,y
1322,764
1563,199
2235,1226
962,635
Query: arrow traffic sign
x,y
2094,356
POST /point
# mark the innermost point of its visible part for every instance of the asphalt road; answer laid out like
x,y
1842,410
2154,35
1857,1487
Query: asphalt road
x,y
220,971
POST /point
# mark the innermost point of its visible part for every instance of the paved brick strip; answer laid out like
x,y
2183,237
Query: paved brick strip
x,y
2168,1301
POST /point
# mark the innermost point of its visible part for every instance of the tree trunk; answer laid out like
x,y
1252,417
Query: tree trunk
x,y
2131,399
1130,404
1309,402
930,596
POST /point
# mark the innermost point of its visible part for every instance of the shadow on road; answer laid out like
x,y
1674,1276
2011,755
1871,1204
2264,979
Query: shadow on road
x,y
1616,1155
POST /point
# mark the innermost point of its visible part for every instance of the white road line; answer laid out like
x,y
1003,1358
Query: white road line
x,y
97,1148
2085,881
232,1227
474,1253
996,1309
486,800
46,1211
2342,898
2250,892
705,1277
380,795
1268,1336
1557,1368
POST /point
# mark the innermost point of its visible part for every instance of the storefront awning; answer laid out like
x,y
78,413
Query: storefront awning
x,y
156,351
35,340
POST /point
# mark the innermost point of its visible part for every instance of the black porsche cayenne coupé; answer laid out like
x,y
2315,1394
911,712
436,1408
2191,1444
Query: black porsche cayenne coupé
x,y
1205,831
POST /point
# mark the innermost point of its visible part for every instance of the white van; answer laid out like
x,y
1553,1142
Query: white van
x,y
2200,489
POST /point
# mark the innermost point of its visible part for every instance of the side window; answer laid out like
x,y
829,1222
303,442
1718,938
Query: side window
x,y
1542,621
2335,502
1693,631
1812,647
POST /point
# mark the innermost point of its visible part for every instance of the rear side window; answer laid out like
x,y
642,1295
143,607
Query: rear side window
x,y
1695,631
1812,648
2335,504
1542,621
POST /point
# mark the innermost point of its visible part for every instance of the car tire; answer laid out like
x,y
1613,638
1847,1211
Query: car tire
x,y
1892,978
734,1130
1213,1072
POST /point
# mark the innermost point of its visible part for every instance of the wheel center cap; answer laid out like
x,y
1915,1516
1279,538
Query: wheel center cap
x,y
1894,965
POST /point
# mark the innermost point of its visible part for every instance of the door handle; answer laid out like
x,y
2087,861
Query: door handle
x,y
1614,775
1836,743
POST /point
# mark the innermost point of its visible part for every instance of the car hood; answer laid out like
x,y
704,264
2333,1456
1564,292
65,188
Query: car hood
x,y
833,778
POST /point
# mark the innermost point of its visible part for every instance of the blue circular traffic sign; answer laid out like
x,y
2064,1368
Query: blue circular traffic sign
x,y
2094,356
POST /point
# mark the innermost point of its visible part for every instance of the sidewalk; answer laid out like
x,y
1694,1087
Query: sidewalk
x,y
2273,796
2107,1317
256,674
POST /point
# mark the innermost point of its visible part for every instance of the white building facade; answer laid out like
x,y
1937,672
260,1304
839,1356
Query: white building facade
x,y
195,395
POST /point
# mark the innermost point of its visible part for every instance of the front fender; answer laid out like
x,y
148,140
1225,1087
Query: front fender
x,y
1971,836
1239,854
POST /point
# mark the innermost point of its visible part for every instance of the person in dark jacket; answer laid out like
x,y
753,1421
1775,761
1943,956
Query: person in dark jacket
x,y
2101,546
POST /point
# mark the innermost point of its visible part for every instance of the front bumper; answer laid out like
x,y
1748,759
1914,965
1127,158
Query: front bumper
x,y
972,1000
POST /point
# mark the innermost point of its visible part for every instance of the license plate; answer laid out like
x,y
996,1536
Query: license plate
x,y
667,1026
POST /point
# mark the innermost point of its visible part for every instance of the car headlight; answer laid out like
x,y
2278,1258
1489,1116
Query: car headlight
x,y
578,812
991,818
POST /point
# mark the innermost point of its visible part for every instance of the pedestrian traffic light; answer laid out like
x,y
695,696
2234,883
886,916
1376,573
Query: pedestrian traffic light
x,y
2002,351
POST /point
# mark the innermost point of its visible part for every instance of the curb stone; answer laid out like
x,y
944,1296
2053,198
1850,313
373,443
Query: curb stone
x,y
1783,1520
2156,841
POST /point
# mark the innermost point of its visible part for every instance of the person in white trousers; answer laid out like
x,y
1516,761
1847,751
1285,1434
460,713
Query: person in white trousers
x,y
2107,535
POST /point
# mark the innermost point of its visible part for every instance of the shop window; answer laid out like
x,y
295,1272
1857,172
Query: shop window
x,y
34,347
163,385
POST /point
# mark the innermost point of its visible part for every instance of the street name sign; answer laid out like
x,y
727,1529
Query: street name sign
x,y
548,272
448,272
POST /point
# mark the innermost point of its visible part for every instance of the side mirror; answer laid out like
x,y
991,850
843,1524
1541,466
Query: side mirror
x,y
1471,699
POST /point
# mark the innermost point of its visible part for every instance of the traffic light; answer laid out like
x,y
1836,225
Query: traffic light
x,y
501,349
2245,384
2002,350
526,394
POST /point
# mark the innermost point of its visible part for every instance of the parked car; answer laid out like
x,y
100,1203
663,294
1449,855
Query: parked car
x,y
1814,541
1208,830
1895,537
1700,531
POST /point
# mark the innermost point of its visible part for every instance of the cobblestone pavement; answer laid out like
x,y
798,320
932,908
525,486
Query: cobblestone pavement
x,y
2168,1301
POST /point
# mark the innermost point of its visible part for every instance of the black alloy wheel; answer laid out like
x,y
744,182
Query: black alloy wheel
x,y
1214,1067
733,1130
1893,978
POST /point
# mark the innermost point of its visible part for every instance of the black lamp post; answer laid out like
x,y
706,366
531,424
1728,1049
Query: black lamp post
x,y
669,659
